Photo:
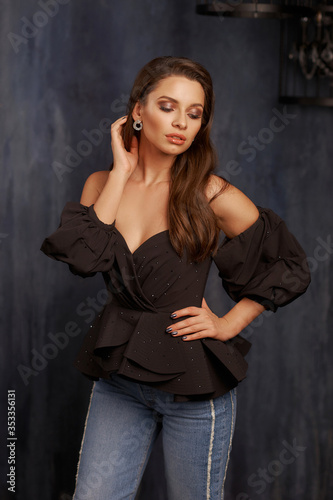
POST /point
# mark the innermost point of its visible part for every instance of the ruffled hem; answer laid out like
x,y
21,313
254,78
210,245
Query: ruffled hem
x,y
140,349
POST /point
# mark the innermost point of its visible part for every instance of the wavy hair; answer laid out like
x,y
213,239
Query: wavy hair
x,y
192,222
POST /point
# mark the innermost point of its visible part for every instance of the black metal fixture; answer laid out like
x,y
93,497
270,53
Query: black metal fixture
x,y
306,54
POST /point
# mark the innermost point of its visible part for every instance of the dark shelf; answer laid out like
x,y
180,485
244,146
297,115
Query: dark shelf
x,y
307,101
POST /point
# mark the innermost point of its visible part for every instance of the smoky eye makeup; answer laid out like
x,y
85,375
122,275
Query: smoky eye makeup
x,y
195,114
167,107
166,103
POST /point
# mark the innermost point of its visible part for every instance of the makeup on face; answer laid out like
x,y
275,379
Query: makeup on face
x,y
168,104
172,115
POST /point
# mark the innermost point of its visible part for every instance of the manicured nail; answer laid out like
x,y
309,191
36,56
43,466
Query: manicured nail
x,y
174,333
173,315
184,338
169,329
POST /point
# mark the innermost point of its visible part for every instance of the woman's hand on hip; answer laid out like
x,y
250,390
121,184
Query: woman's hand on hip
x,y
202,323
123,161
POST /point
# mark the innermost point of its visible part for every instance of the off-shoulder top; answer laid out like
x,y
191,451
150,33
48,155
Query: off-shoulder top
x,y
264,263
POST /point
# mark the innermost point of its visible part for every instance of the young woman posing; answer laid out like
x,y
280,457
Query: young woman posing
x,y
162,361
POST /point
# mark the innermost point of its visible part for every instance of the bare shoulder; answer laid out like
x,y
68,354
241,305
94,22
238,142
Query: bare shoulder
x,y
215,185
93,187
234,210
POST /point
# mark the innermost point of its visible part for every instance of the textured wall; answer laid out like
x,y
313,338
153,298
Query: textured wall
x,y
64,78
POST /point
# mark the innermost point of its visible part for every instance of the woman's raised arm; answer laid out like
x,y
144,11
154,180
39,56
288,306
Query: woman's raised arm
x,y
105,191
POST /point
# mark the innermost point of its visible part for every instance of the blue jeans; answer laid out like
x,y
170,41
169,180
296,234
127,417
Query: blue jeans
x,y
123,421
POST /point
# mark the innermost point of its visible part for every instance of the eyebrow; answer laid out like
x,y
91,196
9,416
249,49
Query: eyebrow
x,y
175,101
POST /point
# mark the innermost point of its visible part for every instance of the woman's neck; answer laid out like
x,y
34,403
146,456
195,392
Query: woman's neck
x,y
153,166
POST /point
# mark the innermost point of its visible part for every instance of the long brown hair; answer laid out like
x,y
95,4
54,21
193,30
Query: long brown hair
x,y
192,222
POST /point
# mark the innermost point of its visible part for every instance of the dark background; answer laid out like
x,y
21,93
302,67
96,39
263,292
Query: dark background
x,y
69,74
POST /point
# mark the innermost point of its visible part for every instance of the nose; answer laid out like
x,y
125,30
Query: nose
x,y
180,121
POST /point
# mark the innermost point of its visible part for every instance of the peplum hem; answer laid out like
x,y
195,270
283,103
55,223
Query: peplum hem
x,y
140,349
264,263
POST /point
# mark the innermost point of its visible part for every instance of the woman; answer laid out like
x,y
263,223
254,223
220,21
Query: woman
x,y
162,361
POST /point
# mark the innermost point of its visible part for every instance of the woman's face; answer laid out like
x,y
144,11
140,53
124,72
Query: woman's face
x,y
171,115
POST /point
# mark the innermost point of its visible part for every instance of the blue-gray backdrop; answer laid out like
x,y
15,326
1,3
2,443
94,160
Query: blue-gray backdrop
x,y
67,69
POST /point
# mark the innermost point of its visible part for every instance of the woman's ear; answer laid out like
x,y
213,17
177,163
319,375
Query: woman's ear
x,y
137,110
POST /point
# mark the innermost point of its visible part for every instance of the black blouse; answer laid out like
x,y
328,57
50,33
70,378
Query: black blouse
x,y
264,263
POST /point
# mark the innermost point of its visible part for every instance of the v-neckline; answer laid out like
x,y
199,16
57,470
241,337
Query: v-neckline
x,y
143,243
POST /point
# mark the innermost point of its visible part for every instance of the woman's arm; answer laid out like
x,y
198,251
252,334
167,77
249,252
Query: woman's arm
x,y
86,234
105,190
235,213
259,259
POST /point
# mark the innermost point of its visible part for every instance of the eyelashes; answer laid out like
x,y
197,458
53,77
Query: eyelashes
x,y
191,115
163,108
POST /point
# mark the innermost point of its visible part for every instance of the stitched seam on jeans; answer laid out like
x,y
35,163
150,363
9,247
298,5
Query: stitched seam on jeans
x,y
84,433
209,465
230,441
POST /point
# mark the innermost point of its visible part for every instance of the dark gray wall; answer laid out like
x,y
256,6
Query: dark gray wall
x,y
67,76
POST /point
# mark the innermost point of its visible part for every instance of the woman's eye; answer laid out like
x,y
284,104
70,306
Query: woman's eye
x,y
191,115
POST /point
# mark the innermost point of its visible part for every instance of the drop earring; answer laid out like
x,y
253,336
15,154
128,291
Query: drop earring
x,y
137,125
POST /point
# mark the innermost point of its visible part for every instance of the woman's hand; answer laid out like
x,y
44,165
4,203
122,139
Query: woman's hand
x,y
123,161
203,323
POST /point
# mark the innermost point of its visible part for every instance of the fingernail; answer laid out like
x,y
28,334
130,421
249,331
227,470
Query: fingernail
x,y
168,330
173,315
174,333
184,338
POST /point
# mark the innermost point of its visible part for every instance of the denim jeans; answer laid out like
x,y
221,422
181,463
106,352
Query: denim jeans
x,y
124,418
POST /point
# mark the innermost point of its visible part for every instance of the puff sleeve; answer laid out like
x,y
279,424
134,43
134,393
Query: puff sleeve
x,y
82,240
265,263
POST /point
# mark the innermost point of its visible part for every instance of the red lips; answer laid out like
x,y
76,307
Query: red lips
x,y
179,136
